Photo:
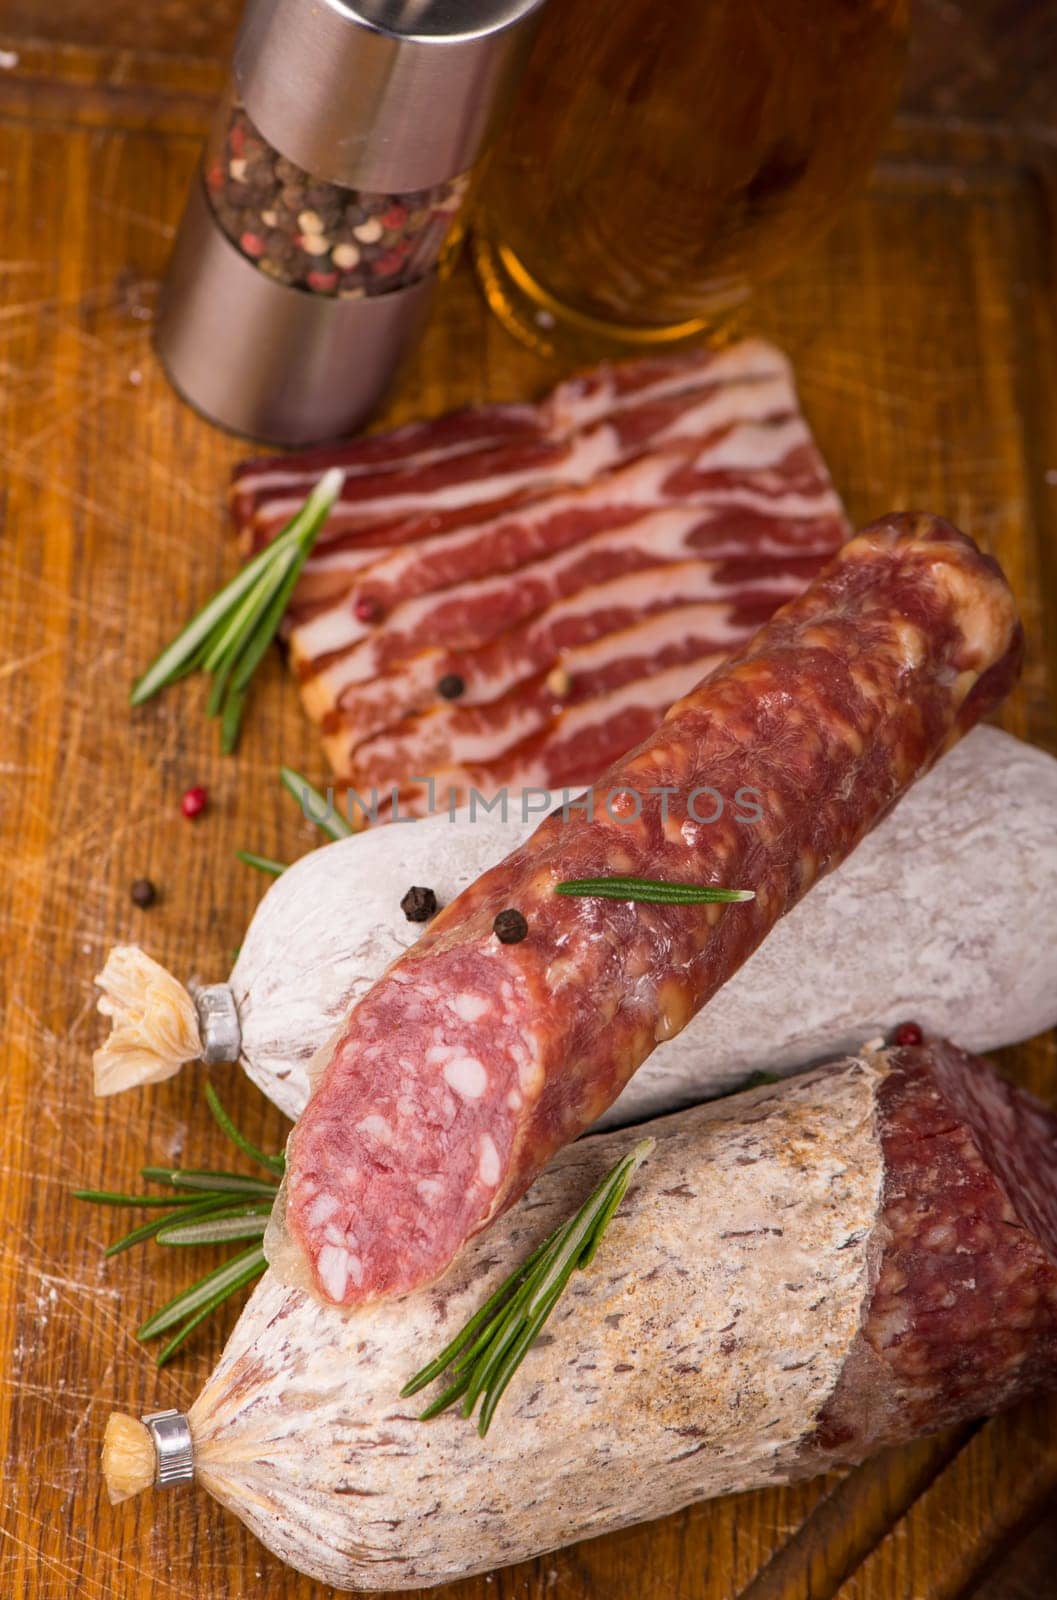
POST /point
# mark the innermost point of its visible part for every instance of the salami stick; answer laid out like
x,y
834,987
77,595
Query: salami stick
x,y
464,1069
797,1276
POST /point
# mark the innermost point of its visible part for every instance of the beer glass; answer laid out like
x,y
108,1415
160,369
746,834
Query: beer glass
x,y
666,156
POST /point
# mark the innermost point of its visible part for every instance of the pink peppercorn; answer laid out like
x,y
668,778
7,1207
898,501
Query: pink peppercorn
x,y
194,801
215,178
395,217
251,244
391,261
908,1033
367,609
322,282
237,139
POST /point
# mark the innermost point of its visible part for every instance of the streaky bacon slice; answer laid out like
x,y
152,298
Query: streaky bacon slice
x,y
469,614
544,640
416,443
776,457
643,519
584,737
475,736
262,489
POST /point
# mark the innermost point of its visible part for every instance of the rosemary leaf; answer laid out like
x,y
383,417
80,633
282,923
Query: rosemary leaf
x,y
484,1356
325,815
102,1197
652,891
148,1230
187,651
221,1184
440,1363
257,647
218,1228
230,636
221,1282
262,863
276,1164
219,1207
255,1265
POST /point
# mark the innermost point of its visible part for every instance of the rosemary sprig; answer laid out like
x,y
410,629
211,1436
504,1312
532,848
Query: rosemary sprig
x,y
322,813
652,891
207,1208
315,806
229,637
484,1356
262,863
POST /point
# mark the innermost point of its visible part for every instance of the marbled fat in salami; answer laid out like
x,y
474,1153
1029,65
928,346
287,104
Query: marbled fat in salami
x,y
472,1061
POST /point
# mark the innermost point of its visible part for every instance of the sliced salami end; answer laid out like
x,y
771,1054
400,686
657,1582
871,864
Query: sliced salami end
x,y
963,1315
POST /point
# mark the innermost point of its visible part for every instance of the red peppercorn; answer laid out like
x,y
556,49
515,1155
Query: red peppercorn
x,y
215,178
367,609
322,282
251,244
908,1033
237,139
384,265
395,217
194,801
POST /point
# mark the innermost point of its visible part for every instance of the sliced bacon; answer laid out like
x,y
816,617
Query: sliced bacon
x,y
417,443
776,457
266,491
554,760
545,640
473,736
467,615
570,564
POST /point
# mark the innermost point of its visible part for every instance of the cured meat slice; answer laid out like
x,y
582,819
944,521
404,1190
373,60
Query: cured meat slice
x,y
750,589
765,482
415,444
339,650
265,492
798,1276
532,737
472,1061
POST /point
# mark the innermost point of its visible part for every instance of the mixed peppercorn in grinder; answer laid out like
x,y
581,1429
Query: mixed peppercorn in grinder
x,y
331,194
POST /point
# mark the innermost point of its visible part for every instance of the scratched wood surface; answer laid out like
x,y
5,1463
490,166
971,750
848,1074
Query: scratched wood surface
x,y
928,361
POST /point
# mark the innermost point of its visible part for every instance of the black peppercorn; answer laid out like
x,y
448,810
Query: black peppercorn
x,y
418,905
143,893
451,686
510,927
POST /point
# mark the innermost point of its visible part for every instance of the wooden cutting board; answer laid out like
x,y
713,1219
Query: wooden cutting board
x,y
923,336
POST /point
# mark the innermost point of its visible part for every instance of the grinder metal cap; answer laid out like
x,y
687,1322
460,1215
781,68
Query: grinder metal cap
x,y
383,95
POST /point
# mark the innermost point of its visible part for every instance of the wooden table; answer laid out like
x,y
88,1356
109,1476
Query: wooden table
x,y
922,330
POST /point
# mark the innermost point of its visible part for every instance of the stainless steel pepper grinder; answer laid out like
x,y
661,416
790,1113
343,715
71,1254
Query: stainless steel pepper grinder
x,y
331,193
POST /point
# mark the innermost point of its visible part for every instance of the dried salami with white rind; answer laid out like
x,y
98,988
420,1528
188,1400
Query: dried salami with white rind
x,y
798,1275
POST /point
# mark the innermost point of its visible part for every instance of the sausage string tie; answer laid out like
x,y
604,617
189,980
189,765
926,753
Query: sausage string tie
x,y
229,637
206,1208
483,1358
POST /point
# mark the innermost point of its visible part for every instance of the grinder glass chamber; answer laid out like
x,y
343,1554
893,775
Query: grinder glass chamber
x,y
331,194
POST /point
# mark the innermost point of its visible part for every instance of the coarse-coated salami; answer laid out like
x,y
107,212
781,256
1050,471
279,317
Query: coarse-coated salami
x,y
473,1060
797,1276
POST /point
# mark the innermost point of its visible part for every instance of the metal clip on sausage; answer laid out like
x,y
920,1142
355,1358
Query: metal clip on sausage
x,y
332,193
